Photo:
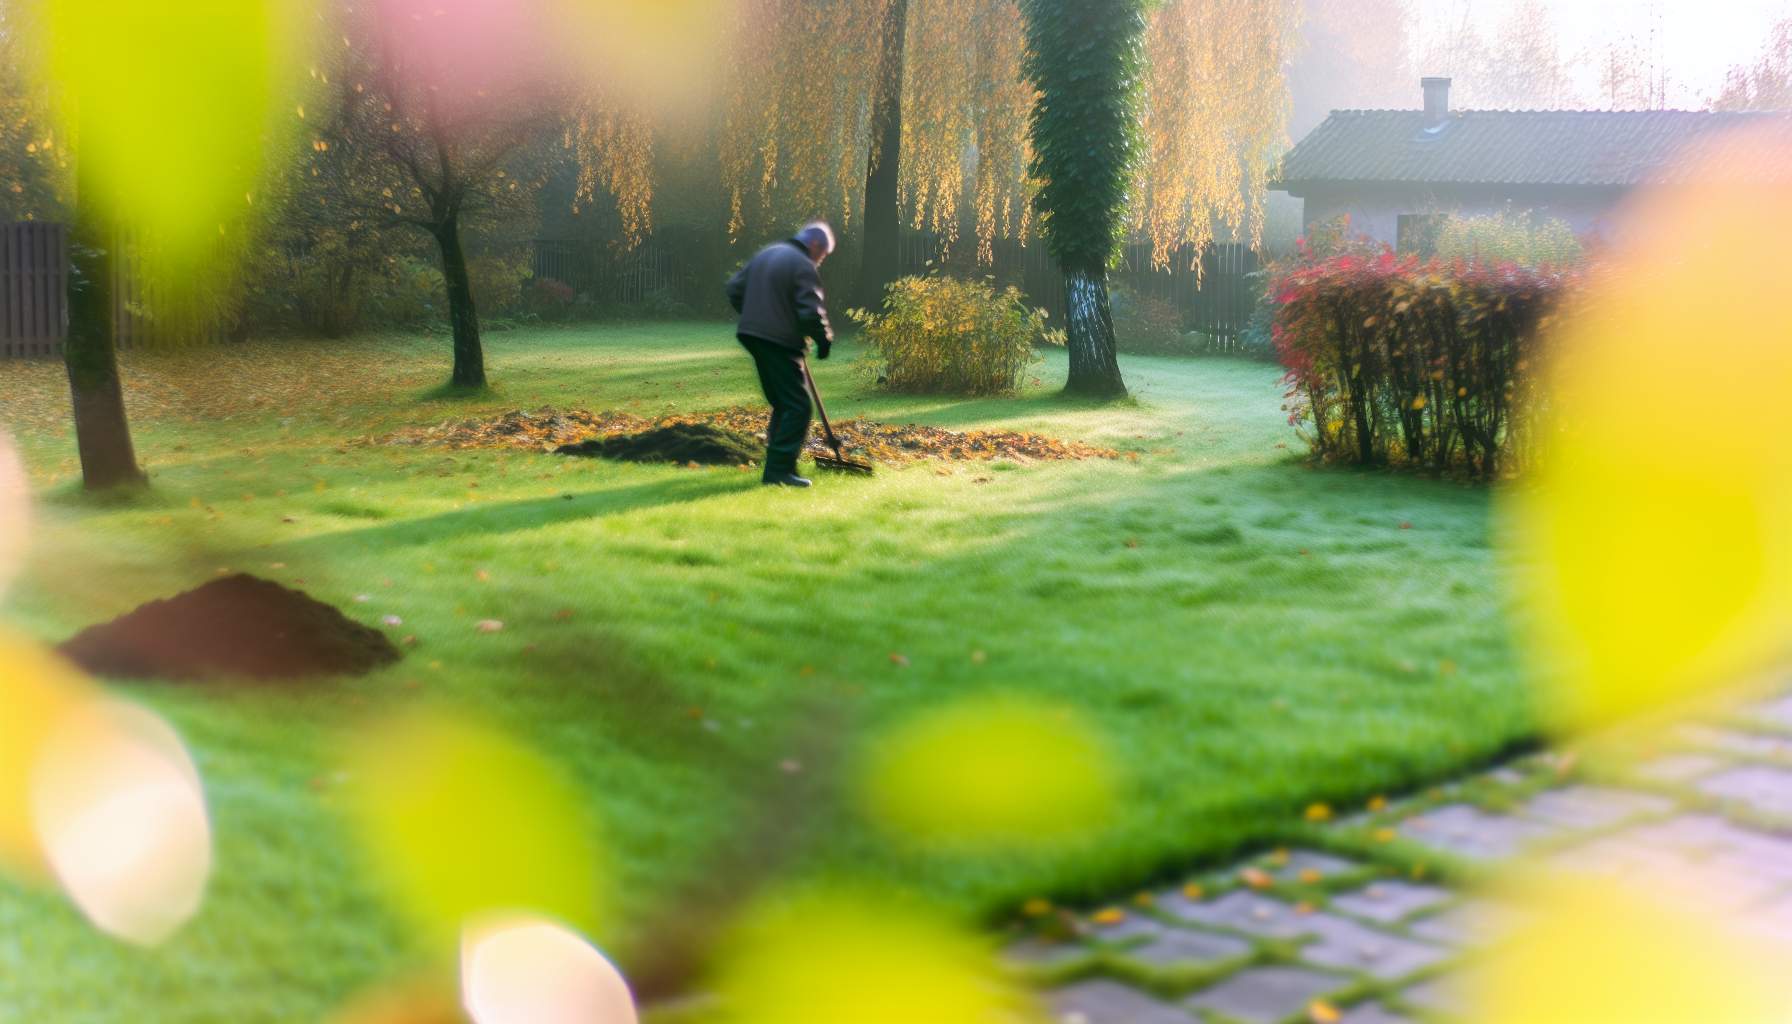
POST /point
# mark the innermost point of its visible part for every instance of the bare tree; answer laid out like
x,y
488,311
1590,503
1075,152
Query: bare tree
x,y
1767,84
436,142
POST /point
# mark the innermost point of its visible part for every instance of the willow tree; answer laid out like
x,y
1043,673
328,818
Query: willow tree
x,y
1087,58
965,138
876,113
1214,120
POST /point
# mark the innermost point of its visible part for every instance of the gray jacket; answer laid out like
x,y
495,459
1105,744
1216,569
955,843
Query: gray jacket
x,y
779,299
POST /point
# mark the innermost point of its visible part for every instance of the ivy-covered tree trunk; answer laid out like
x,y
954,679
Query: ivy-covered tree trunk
x,y
882,242
1086,58
463,316
102,433
1089,329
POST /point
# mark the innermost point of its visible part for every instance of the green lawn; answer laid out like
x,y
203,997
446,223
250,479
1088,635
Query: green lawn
x,y
1251,633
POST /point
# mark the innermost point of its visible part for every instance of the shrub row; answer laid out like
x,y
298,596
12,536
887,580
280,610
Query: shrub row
x,y
1420,364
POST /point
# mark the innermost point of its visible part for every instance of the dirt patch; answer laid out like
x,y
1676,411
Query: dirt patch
x,y
235,627
694,444
549,429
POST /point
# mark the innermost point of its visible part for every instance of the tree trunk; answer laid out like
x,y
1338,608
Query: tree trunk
x,y
102,433
469,355
882,254
1094,369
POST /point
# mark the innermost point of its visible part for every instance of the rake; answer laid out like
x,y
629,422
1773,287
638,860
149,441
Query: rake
x,y
838,462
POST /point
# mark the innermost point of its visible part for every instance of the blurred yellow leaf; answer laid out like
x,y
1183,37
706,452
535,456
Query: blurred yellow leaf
x,y
1593,952
831,958
15,512
458,822
175,104
38,690
1659,523
991,772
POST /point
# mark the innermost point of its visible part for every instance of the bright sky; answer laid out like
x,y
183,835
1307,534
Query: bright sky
x,y
1699,40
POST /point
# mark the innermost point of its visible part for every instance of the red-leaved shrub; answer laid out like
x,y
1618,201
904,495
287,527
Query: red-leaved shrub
x,y
1399,362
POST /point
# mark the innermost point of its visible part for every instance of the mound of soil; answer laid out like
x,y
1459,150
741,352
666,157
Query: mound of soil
x,y
235,627
684,443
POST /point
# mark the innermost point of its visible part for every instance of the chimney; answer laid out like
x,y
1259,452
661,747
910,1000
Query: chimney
x,y
1437,102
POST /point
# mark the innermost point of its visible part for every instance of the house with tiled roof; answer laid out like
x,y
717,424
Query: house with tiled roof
x,y
1398,173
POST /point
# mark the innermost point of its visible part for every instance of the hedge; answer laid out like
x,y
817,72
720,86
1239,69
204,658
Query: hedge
x,y
1394,361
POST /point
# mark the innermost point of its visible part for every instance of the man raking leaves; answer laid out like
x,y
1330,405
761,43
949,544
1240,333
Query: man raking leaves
x,y
781,305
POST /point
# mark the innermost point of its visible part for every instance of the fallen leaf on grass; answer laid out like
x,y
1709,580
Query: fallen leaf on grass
x,y
489,626
1256,878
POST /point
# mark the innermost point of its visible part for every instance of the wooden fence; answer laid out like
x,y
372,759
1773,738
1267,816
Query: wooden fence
x,y
34,269
1218,299
658,272
33,289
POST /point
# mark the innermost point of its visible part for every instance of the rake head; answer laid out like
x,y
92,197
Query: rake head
x,y
839,463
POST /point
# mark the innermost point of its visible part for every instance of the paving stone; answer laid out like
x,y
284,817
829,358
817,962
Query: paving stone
x,y
1735,741
1178,947
1475,922
1758,787
1438,995
1101,1001
1698,836
1622,857
1252,914
1324,865
1268,995
1777,711
1592,808
1678,768
1354,947
1472,833
1046,955
1372,1013
1390,901
1774,921
1136,926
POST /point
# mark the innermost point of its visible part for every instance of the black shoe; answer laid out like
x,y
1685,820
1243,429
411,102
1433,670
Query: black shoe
x,y
788,480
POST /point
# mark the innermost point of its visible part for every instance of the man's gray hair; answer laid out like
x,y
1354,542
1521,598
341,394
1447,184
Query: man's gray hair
x,y
817,233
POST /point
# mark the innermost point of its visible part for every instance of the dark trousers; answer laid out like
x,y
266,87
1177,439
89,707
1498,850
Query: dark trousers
x,y
781,378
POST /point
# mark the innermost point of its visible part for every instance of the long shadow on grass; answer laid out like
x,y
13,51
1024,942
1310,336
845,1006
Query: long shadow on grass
x,y
496,518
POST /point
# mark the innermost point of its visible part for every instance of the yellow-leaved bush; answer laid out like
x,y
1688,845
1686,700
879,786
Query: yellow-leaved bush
x,y
942,335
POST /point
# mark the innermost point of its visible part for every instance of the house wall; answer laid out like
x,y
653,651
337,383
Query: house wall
x,y
1376,213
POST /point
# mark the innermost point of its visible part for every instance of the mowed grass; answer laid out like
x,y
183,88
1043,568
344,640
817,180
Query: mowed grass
x,y
1249,633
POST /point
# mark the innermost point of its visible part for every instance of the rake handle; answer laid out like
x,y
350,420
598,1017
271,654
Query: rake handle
x,y
826,427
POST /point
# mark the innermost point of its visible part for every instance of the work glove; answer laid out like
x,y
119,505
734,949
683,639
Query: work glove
x,y
824,348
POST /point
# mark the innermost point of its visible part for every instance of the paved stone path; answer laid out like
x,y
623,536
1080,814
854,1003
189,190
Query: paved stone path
x,y
1362,922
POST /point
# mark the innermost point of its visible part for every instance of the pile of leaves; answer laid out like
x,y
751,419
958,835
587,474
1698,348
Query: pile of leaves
x,y
235,627
548,429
